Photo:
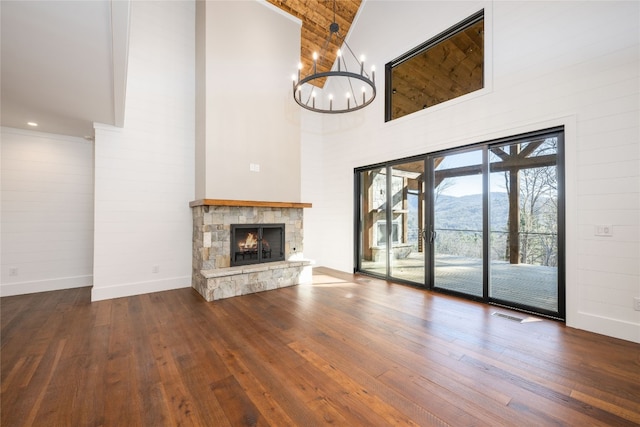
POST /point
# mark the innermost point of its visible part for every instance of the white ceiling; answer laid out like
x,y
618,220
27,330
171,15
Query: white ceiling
x,y
63,64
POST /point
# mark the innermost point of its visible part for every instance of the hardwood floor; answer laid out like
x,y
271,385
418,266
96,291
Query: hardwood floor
x,y
347,350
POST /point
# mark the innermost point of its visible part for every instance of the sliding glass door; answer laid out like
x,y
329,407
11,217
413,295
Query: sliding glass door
x,y
407,222
457,230
391,205
525,219
485,222
373,257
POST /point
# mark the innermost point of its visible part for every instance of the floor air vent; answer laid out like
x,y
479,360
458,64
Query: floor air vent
x,y
507,316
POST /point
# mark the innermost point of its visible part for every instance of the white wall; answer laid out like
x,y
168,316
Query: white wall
x,y
312,187
47,212
144,172
548,63
252,49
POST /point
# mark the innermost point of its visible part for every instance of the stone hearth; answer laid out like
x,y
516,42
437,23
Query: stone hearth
x,y
212,275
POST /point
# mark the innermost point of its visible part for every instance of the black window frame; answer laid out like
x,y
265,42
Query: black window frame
x,y
444,35
560,314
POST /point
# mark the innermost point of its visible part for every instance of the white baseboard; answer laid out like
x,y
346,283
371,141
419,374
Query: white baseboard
x,y
129,289
22,288
615,328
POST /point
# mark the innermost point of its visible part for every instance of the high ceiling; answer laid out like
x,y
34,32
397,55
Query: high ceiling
x,y
316,17
64,62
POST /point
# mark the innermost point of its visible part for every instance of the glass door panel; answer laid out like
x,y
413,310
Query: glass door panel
x,y
407,253
456,235
484,222
524,224
373,220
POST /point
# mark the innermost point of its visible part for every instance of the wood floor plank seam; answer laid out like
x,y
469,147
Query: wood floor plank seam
x,y
33,413
574,405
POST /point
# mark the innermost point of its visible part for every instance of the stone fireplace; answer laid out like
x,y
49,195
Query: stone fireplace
x,y
221,269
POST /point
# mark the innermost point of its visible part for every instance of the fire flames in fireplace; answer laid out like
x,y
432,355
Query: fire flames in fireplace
x,y
250,244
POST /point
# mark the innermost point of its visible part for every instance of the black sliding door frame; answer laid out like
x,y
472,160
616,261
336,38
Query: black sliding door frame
x,y
427,231
359,220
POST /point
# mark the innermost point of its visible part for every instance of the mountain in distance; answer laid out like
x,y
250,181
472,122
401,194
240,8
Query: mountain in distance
x,y
465,212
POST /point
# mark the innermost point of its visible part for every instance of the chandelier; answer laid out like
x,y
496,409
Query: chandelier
x,y
359,88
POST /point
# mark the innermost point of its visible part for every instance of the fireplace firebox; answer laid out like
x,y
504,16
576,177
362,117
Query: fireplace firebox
x,y
256,243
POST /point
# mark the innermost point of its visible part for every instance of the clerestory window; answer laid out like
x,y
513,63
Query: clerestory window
x,y
443,68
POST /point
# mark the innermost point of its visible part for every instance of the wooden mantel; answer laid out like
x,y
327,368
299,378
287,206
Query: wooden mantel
x,y
250,203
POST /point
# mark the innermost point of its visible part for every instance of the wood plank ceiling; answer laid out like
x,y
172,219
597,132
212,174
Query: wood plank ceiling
x,y
447,70
316,17
451,69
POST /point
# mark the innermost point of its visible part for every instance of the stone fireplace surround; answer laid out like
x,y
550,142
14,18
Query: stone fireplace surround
x,y
212,275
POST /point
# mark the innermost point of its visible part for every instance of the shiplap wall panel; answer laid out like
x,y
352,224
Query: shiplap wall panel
x,y
145,171
47,212
575,64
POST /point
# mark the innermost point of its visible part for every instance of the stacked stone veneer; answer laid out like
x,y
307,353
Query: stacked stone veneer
x,y
214,278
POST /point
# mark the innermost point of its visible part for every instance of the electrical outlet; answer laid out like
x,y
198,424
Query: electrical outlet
x,y
155,269
604,230
636,303
13,271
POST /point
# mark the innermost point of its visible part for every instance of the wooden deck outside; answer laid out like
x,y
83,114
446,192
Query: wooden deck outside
x,y
346,350
533,285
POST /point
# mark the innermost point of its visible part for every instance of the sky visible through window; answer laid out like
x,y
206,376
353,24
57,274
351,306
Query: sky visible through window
x,y
469,184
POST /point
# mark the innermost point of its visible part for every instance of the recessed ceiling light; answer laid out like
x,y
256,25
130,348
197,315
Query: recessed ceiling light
x,y
34,124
